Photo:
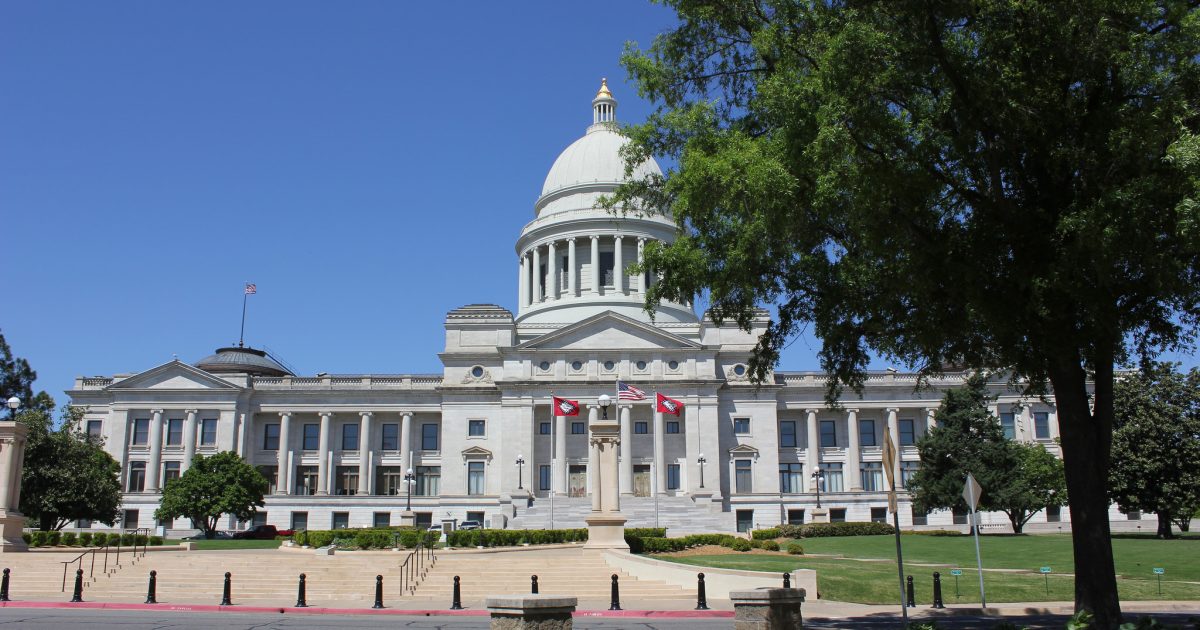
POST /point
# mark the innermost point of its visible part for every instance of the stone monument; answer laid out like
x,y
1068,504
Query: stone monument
x,y
606,523
12,462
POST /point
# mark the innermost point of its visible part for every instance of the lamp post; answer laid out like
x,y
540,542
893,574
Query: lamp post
x,y
520,472
409,480
700,460
604,402
818,476
14,403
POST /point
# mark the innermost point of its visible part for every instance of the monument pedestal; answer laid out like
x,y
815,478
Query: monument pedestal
x,y
408,519
820,515
12,462
606,531
11,526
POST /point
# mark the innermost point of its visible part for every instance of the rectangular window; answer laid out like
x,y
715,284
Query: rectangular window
x,y
208,432
306,480
345,480
1053,514
743,480
382,520
544,477
429,437
673,426
672,476
544,428
137,477
271,474
389,481
341,520
606,268
312,437
919,518
391,437
174,431
475,478
908,433
1008,422
95,428
578,428
791,478
866,433
641,428
795,517
741,426
170,471
828,434
476,428
475,516
270,437
1041,425
141,432
959,515
425,520
429,481
745,520
130,519
350,437
259,518
787,434
837,515
299,520
833,477
1134,515
907,470
878,515
872,476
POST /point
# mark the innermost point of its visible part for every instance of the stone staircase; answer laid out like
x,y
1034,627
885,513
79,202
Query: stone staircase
x,y
680,515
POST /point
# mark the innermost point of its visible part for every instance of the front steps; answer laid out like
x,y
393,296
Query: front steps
x,y
680,515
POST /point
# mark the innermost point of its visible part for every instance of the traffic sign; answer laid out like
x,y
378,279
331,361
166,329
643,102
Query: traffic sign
x,y
971,492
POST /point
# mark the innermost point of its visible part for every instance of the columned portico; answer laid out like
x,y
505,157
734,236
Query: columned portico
x,y
189,440
537,275
595,265
853,451
285,453
572,270
364,453
406,438
323,454
154,465
551,272
618,267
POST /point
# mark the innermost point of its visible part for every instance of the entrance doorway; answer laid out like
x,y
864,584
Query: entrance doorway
x,y
578,481
641,480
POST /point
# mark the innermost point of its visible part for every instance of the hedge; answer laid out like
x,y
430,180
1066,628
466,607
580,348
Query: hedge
x,y
513,537
365,538
86,539
766,534
818,530
656,544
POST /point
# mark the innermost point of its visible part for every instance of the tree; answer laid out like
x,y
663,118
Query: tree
x,y
984,183
221,484
1158,439
16,379
1037,482
68,476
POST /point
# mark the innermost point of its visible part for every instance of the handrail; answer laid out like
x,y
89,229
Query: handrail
x,y
416,566
78,560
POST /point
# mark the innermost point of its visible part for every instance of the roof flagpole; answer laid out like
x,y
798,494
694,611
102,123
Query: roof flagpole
x,y
250,288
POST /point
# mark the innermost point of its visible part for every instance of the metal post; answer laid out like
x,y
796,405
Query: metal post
x,y
701,600
150,597
300,603
456,604
378,592
77,596
534,580
616,595
912,600
978,558
937,590
900,568
4,587
226,600
787,580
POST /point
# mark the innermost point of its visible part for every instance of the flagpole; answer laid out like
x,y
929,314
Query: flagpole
x,y
553,459
242,334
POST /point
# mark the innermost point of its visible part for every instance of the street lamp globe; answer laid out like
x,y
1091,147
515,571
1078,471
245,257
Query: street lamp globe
x,y
604,401
14,403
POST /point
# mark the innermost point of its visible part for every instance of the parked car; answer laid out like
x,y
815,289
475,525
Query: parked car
x,y
217,535
262,532
437,527
470,525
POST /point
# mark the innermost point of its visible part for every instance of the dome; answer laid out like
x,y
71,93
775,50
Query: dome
x,y
235,360
594,158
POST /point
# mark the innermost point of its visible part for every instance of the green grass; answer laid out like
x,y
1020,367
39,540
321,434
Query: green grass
x,y
229,545
852,580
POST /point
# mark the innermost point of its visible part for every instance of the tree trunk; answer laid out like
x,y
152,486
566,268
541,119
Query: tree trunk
x,y
45,522
1086,445
1164,525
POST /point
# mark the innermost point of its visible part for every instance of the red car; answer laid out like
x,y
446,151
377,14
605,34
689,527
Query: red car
x,y
262,532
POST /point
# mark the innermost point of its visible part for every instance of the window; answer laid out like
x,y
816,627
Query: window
x,y
787,434
606,268
833,476
837,515
389,481
174,431
919,518
475,516
345,480
350,437
745,520
429,481
83,523
741,426
137,477
475,478
672,476
341,520
271,474
743,481
795,517
424,520
878,515
866,433
299,520
306,480
429,437
544,428
476,428
259,518
1053,514
577,428
1008,422
170,471
673,426
828,434
791,477
141,432
1134,515
208,432
908,434
959,515
270,437
1041,425
391,437
312,437
907,470
544,477
95,428
872,476
641,428
130,519
381,520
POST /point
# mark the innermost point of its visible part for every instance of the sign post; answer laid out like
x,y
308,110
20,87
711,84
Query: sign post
x,y
889,468
956,573
1158,573
971,493
1046,573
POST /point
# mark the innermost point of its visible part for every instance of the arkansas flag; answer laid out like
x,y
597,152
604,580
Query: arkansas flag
x,y
564,407
668,405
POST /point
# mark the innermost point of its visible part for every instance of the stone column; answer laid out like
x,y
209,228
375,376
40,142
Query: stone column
x,y
523,282
660,466
625,478
551,271
606,523
537,275
594,460
364,453
283,454
406,440
595,265
1025,429
641,256
853,454
813,452
894,427
572,270
156,431
323,454
618,266
560,455
189,440
930,420
12,462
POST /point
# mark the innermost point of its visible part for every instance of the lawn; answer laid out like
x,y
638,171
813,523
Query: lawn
x,y
230,545
852,579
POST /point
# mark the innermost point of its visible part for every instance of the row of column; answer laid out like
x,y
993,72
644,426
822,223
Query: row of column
x,y
853,462
153,481
625,471
530,282
286,455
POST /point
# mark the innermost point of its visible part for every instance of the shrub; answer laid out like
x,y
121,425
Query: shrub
x,y
39,538
373,539
741,544
156,541
770,545
320,539
300,537
756,544
646,532
85,539
53,538
795,548
141,539
790,531
933,532
71,539
100,539
27,537
128,540
766,534
818,530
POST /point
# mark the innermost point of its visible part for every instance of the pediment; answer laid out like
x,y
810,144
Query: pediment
x,y
476,452
743,449
607,331
175,375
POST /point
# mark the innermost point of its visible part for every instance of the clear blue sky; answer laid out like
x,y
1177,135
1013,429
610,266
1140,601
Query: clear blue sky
x,y
368,164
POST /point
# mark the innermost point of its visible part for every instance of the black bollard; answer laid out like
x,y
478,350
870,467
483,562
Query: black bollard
x,y
226,600
4,587
701,599
457,603
912,601
787,580
378,592
77,596
616,595
534,580
150,597
300,603
937,590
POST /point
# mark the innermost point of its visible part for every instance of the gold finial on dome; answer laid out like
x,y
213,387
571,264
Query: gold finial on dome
x,y
604,89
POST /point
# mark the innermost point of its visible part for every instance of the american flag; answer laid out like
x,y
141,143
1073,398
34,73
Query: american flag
x,y
251,288
625,391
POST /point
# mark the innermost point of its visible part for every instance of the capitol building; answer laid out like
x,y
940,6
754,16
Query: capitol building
x,y
480,442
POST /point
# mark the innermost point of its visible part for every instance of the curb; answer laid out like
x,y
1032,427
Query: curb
x,y
318,610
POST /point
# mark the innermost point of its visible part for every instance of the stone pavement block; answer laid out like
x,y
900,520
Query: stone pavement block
x,y
531,612
767,609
